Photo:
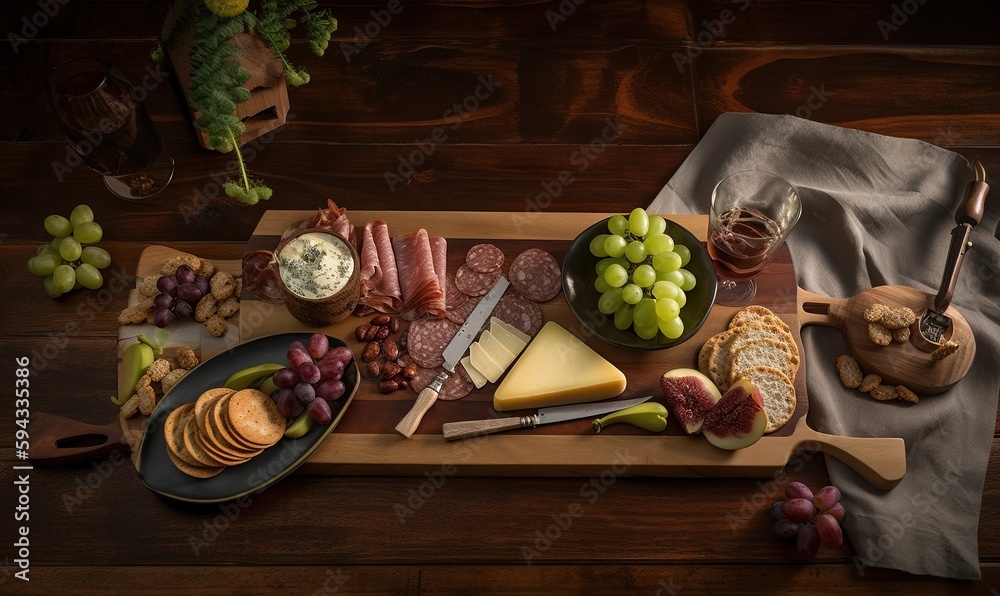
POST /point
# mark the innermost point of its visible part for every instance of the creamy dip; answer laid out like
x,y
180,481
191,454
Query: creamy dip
x,y
315,265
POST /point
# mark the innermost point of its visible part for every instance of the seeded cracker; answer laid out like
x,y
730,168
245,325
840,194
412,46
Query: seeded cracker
x,y
147,400
901,335
879,334
207,269
170,265
228,307
186,358
875,313
171,379
869,383
205,309
148,286
884,393
897,318
947,349
132,315
158,369
850,373
216,326
130,407
906,395
222,284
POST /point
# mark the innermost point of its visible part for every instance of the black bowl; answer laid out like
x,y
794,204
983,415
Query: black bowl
x,y
578,288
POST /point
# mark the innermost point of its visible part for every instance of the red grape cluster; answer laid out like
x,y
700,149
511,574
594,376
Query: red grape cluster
x,y
312,377
179,295
809,519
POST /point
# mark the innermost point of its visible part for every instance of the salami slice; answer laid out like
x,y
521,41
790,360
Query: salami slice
x,y
484,258
421,291
460,313
458,385
536,275
379,277
453,297
475,284
520,312
426,339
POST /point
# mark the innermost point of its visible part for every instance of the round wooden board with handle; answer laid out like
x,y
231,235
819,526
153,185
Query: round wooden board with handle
x,y
897,363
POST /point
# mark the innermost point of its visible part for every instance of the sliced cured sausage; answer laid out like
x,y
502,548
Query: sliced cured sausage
x,y
484,258
536,275
472,283
461,312
418,281
426,340
379,276
520,312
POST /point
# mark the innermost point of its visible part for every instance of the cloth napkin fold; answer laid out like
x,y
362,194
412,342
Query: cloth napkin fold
x,y
879,210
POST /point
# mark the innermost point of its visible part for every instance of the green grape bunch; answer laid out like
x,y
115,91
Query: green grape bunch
x,y
641,275
71,260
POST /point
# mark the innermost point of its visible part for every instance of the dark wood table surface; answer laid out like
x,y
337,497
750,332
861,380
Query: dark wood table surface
x,y
929,72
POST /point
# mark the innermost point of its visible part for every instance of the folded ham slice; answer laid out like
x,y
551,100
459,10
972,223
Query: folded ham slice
x,y
332,218
422,292
379,278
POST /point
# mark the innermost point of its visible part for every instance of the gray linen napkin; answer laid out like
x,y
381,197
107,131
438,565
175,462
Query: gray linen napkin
x,y
879,210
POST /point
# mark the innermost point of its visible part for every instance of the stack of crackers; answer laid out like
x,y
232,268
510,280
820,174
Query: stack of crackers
x,y
223,428
757,346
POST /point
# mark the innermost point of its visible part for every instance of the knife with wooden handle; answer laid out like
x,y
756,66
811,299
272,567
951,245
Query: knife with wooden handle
x,y
452,354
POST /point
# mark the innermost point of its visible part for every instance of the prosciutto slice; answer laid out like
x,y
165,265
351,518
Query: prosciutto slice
x,y
422,293
332,218
379,277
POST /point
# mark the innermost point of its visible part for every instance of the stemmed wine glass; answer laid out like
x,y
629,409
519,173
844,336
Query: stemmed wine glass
x,y
107,126
752,213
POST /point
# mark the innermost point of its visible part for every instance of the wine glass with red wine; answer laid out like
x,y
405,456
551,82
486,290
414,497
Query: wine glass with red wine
x,y
107,126
752,213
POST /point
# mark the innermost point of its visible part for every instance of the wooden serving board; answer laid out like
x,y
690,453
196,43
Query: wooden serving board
x,y
365,442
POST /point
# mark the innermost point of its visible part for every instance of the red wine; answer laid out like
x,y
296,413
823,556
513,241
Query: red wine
x,y
740,244
109,129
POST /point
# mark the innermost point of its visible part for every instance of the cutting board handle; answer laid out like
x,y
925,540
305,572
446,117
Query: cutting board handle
x,y
58,440
815,309
880,461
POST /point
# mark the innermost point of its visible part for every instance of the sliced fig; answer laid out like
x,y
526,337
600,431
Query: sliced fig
x,y
690,396
738,420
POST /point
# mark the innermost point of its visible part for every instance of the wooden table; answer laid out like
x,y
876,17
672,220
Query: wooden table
x,y
657,73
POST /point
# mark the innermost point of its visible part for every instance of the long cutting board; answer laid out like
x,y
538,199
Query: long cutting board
x,y
365,442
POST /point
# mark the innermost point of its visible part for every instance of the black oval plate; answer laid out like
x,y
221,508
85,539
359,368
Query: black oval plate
x,y
581,295
160,475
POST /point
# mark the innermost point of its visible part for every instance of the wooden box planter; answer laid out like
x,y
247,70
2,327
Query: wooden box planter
x,y
267,108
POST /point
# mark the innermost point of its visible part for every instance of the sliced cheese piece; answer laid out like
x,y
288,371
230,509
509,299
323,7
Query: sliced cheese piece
x,y
513,343
496,350
482,362
496,323
477,377
555,369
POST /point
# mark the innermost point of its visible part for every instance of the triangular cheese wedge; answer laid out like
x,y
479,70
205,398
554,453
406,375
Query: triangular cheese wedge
x,y
555,369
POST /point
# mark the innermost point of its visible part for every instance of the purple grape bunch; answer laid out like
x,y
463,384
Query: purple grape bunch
x,y
808,519
179,295
312,378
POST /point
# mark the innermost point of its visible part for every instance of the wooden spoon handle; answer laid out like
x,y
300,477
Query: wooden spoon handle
x,y
882,462
820,310
57,440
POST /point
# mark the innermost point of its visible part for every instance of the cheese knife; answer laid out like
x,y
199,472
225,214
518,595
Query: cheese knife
x,y
472,428
454,352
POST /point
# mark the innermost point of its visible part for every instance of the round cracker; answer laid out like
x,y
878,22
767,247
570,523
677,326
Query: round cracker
x,y
219,423
206,400
191,470
756,312
255,417
215,452
195,448
778,393
173,433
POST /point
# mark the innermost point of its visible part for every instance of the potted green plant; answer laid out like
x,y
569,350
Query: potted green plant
x,y
215,45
